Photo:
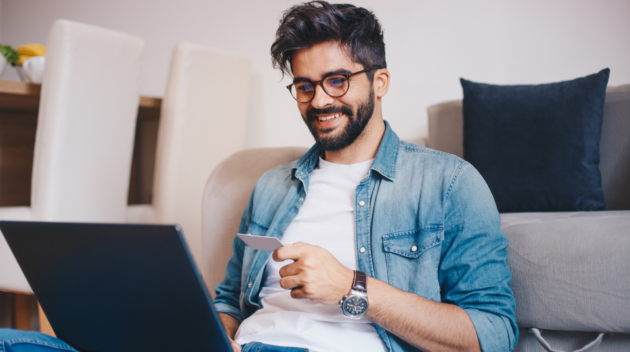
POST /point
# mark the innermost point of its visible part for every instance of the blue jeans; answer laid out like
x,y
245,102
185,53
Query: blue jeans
x,y
260,347
28,341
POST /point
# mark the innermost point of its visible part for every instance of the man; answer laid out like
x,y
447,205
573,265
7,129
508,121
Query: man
x,y
364,214
388,246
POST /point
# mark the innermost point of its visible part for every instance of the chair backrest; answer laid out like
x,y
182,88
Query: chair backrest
x,y
203,121
446,133
224,199
87,117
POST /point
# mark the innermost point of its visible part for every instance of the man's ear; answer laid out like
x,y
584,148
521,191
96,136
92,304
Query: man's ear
x,y
381,82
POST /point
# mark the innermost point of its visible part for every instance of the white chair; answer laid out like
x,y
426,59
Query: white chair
x,y
85,132
203,121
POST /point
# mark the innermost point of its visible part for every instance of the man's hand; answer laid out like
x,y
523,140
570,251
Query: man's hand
x,y
235,346
315,273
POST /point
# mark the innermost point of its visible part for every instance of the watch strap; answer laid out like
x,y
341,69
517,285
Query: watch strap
x,y
360,281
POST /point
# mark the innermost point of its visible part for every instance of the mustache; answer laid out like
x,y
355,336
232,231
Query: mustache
x,y
344,109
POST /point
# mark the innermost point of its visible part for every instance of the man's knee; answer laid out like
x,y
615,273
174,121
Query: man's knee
x,y
17,340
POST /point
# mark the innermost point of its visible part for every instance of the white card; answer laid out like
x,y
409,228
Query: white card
x,y
261,243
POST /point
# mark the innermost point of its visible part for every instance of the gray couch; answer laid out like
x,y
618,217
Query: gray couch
x,y
571,270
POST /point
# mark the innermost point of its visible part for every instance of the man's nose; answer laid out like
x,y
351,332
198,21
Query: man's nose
x,y
321,99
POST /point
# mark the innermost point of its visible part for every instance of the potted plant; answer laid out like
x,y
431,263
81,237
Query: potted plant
x,y
9,56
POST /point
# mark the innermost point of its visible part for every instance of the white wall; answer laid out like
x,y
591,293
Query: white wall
x,y
430,44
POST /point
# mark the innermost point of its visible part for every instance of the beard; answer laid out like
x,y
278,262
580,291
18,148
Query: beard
x,y
352,130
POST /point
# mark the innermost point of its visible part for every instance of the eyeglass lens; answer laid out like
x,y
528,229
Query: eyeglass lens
x,y
335,86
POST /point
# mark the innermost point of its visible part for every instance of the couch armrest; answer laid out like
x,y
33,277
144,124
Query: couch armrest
x,y
226,194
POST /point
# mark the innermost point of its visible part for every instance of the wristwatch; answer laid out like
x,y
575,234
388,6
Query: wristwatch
x,y
355,304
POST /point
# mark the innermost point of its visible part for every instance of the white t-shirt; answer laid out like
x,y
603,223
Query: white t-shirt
x,y
326,219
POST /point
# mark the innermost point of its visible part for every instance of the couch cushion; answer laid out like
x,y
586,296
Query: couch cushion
x,y
571,341
614,148
446,127
537,146
446,130
570,270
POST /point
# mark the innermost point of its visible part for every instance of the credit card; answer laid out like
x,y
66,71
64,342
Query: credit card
x,y
260,243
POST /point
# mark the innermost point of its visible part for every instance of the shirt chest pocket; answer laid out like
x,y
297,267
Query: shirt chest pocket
x,y
413,259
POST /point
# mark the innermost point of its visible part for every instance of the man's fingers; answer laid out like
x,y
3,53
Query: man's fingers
x,y
290,282
298,293
289,270
289,251
284,253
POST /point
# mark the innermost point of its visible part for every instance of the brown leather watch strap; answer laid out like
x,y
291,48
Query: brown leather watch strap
x,y
360,281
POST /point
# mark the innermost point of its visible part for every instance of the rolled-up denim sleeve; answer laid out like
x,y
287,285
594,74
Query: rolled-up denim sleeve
x,y
227,299
473,273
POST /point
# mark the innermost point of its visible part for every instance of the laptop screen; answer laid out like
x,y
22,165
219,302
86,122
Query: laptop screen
x,y
118,288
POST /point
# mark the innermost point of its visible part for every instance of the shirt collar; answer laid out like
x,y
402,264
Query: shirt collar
x,y
384,162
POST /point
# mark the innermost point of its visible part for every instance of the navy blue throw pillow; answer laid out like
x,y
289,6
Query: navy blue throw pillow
x,y
537,146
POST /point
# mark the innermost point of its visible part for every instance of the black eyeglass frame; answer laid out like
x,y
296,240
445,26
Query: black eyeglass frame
x,y
347,75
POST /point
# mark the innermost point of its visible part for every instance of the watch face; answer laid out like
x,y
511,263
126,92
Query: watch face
x,y
355,305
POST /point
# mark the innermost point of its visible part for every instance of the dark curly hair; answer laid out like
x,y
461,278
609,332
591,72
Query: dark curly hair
x,y
356,29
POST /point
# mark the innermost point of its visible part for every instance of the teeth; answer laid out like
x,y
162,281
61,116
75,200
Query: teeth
x,y
326,118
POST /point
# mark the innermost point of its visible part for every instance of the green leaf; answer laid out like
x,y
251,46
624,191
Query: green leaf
x,y
9,53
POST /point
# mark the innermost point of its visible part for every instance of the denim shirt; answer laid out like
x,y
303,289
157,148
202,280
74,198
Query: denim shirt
x,y
427,221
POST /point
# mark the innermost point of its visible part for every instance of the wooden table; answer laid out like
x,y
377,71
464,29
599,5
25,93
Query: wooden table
x,y
19,105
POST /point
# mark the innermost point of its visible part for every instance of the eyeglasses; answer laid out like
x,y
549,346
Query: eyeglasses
x,y
335,85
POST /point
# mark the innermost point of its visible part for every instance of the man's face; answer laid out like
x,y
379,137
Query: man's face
x,y
334,122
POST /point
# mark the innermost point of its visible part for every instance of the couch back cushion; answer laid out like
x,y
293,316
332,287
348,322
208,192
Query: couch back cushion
x,y
614,148
446,126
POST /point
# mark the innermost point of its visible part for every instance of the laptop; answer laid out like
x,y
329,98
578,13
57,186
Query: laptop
x,y
117,288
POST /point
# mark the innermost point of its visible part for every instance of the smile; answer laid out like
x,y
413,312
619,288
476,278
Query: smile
x,y
329,117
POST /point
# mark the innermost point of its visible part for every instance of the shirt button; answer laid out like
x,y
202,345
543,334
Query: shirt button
x,y
301,199
414,248
361,203
362,250
249,284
